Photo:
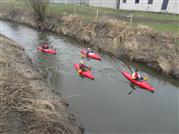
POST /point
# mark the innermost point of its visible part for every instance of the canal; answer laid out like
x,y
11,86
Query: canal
x,y
103,105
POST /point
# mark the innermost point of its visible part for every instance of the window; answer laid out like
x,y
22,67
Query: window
x,y
150,1
136,1
124,1
164,4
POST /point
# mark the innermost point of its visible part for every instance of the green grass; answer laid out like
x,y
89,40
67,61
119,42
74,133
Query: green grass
x,y
72,9
60,9
162,27
157,15
91,11
20,4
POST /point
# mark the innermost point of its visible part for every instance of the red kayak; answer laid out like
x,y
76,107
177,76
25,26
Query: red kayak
x,y
91,55
49,51
87,74
143,84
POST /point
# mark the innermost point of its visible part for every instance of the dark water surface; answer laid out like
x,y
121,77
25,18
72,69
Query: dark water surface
x,y
102,106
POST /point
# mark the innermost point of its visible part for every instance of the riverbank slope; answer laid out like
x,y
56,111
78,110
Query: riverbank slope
x,y
27,104
115,37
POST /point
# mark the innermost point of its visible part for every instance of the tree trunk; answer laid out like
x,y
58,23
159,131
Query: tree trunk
x,y
39,8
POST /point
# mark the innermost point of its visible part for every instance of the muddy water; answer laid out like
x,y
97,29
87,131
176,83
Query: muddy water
x,y
102,106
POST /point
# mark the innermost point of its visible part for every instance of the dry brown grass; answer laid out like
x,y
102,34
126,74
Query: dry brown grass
x,y
28,107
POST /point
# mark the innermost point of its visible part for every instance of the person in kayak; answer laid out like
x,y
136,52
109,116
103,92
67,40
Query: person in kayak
x,y
45,46
82,66
136,76
88,52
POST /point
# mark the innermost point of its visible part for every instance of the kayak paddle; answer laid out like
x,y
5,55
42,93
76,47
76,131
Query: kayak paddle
x,y
131,91
128,67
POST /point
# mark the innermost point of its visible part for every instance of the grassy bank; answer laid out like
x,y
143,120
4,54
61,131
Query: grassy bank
x,y
157,21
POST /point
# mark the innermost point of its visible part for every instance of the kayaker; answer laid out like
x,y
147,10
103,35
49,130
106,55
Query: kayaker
x,y
136,75
88,52
45,46
82,66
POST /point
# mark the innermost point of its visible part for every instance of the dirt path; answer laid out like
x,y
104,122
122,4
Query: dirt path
x,y
27,104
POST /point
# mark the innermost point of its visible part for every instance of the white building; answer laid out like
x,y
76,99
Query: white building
x,y
85,2
103,3
169,6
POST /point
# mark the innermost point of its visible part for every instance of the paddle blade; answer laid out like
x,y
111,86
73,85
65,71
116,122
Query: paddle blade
x,y
131,92
145,78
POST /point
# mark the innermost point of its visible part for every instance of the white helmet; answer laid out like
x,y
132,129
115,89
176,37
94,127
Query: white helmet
x,y
88,48
81,62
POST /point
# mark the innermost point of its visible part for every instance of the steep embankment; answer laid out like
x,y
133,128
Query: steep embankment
x,y
27,104
117,38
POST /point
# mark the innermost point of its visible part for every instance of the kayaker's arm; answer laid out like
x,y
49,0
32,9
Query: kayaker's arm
x,y
133,76
87,67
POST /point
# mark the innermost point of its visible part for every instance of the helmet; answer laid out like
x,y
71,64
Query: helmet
x,y
81,62
88,48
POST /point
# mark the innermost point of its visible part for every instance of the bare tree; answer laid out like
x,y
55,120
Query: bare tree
x,y
39,8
